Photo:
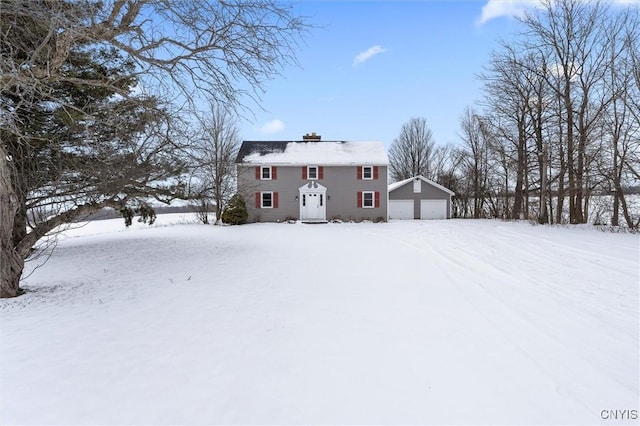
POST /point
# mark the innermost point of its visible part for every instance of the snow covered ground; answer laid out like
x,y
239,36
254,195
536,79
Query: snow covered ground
x,y
435,322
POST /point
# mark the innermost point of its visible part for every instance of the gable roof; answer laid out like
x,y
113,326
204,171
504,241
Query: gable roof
x,y
397,185
304,153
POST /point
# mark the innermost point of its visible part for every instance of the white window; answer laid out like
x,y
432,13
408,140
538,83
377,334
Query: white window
x,y
312,172
267,200
367,172
417,186
265,173
368,199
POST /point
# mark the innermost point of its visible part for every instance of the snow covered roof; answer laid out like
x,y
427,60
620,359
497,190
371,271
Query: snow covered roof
x,y
302,152
397,185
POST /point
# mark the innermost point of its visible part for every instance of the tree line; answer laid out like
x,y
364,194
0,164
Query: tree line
x,y
559,122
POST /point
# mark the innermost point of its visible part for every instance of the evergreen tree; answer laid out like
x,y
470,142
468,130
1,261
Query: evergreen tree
x,y
236,211
76,144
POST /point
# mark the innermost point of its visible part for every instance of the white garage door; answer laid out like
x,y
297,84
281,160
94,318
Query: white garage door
x,y
433,209
400,209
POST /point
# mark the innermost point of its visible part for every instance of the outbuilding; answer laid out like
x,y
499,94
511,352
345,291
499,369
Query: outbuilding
x,y
419,198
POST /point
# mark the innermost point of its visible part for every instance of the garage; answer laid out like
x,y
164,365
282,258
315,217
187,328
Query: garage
x,y
433,209
401,209
419,197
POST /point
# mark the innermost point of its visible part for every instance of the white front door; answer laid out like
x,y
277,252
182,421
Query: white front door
x,y
313,201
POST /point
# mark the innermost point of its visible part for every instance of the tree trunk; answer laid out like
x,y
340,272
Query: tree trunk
x,y
623,202
521,158
11,269
218,220
580,215
11,263
570,160
615,221
543,215
562,172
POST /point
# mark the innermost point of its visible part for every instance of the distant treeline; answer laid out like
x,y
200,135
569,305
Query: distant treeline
x,y
109,213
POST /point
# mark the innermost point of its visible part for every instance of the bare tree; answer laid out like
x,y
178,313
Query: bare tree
x,y
621,123
562,97
473,158
573,34
412,152
214,153
509,94
79,131
440,162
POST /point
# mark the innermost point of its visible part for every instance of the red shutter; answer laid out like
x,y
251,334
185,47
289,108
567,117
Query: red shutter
x,y
377,198
275,200
320,172
359,173
359,197
375,172
304,172
257,173
274,173
258,200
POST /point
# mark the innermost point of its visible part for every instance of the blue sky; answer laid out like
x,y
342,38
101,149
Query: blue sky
x,y
416,59
429,53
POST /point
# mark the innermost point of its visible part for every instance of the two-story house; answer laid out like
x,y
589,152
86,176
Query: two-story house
x,y
313,180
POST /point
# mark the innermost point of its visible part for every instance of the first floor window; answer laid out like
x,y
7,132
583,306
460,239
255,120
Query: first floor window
x,y
368,199
267,200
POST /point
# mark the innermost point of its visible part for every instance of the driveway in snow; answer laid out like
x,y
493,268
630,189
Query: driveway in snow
x,y
441,322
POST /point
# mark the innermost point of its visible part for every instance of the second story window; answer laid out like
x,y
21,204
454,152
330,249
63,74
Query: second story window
x,y
265,173
312,172
367,172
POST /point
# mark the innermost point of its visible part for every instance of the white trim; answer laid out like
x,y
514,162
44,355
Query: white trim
x,y
317,172
373,200
367,178
313,187
397,185
262,194
262,173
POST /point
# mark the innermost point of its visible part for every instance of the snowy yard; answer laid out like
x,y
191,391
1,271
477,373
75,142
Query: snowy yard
x,y
437,322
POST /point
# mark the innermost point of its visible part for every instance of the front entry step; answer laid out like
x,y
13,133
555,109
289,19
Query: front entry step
x,y
314,222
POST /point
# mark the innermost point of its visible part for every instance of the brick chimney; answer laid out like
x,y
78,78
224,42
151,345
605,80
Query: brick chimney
x,y
311,137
